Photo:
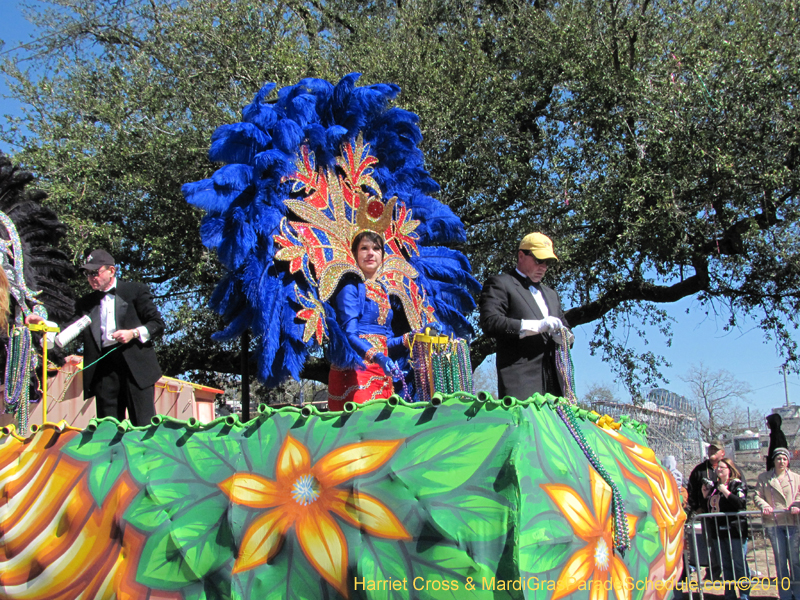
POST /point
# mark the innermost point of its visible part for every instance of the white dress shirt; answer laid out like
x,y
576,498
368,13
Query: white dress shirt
x,y
108,319
537,295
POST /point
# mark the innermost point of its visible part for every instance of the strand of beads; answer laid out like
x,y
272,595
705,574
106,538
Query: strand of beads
x,y
621,529
447,369
397,375
18,376
567,371
455,369
565,366
447,374
465,367
422,372
439,384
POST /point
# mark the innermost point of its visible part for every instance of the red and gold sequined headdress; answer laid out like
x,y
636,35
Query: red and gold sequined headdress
x,y
336,209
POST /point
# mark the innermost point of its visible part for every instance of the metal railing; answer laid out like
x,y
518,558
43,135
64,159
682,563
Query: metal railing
x,y
744,551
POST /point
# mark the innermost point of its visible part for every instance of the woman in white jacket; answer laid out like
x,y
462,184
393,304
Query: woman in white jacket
x,y
779,490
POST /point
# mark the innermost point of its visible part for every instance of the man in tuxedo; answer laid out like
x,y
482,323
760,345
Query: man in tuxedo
x,y
526,320
121,365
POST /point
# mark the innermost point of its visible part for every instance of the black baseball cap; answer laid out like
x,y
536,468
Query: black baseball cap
x,y
97,259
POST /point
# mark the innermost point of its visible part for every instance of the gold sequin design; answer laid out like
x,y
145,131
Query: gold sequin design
x,y
377,341
318,244
377,294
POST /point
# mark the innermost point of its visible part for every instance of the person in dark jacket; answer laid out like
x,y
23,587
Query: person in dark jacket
x,y
705,471
776,438
729,532
525,318
701,481
121,365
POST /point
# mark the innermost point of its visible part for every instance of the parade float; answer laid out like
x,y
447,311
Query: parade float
x,y
435,492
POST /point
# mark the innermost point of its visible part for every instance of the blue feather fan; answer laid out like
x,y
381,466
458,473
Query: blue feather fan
x,y
245,205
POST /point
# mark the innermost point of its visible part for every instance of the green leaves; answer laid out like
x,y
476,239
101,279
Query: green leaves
x,y
154,459
212,455
103,475
157,504
103,448
190,546
470,517
443,572
379,567
440,461
545,544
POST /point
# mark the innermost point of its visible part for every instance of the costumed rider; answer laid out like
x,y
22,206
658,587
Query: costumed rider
x,y
364,313
525,318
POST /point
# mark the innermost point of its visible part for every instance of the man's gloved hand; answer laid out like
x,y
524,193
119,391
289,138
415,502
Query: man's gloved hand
x,y
530,327
553,324
557,337
389,367
434,328
534,326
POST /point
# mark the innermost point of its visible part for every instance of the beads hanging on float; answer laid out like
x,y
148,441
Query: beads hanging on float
x,y
567,414
18,376
440,365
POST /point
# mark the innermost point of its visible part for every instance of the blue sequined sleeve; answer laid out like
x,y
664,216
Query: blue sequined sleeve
x,y
349,304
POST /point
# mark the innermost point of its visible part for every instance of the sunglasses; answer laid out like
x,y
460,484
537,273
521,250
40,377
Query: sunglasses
x,y
93,274
547,261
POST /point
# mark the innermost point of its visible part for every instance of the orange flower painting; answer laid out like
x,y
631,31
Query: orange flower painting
x,y
594,564
306,497
661,486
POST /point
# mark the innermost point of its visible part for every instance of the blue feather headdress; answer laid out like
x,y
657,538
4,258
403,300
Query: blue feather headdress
x,y
282,211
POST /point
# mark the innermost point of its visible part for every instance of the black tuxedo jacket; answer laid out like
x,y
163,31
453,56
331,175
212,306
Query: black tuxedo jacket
x,y
524,366
133,308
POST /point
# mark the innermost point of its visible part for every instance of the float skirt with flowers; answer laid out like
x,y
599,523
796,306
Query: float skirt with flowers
x,y
468,498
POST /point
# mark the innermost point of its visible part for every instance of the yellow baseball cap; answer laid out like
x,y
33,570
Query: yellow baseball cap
x,y
539,244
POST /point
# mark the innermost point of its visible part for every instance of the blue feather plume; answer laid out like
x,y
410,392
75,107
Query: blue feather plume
x,y
244,205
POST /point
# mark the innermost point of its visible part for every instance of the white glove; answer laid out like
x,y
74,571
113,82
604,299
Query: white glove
x,y
552,324
530,327
534,326
556,335
50,336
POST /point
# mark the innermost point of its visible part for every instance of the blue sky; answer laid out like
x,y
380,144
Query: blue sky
x,y
744,352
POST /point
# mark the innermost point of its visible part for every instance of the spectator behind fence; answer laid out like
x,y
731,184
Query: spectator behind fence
x,y
701,481
779,490
703,475
729,533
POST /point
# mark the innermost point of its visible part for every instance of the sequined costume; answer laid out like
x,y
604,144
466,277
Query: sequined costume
x,y
365,315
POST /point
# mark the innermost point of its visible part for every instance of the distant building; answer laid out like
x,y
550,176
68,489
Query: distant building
x,y
666,399
746,447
